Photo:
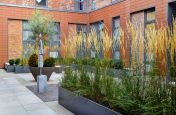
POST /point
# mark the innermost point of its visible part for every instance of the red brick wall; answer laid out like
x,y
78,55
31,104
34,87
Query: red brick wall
x,y
122,9
14,39
15,13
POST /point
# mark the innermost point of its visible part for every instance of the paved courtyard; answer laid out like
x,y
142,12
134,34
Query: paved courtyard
x,y
16,99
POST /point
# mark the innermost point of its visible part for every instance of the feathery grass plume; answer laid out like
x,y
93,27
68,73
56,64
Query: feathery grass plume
x,y
70,45
136,38
107,44
121,43
172,41
95,45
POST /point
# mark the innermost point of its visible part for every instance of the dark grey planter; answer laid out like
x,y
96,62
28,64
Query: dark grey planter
x,y
10,68
82,106
22,69
45,71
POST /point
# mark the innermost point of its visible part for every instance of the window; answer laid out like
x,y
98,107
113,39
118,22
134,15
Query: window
x,y
150,16
54,41
28,40
149,24
42,3
114,1
98,27
141,21
79,5
171,12
116,38
76,29
93,4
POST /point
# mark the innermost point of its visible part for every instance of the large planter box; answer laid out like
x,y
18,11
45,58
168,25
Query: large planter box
x,y
10,68
45,71
82,106
22,69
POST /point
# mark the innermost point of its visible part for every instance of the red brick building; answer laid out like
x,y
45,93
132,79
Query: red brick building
x,y
70,13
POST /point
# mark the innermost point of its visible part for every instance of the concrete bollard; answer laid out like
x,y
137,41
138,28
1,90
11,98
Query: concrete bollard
x,y
42,85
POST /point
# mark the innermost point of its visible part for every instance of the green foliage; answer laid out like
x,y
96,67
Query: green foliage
x,y
173,71
33,60
105,63
24,61
11,61
132,95
49,62
17,61
41,23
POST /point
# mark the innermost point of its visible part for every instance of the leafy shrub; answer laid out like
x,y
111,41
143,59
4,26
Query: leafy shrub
x,y
49,62
33,60
17,61
11,61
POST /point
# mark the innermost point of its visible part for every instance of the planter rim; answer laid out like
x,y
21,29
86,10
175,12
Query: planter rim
x,y
90,100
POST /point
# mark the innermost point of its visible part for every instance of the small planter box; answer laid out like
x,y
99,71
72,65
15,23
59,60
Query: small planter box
x,y
22,69
82,106
45,71
10,68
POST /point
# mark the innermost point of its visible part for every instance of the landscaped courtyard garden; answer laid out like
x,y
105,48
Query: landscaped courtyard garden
x,y
144,85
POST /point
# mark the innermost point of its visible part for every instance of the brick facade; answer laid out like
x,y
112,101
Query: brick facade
x,y
14,39
11,17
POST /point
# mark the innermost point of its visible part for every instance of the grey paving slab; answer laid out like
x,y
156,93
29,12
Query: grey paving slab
x,y
16,99
42,112
35,106
58,108
20,90
15,110
5,93
28,99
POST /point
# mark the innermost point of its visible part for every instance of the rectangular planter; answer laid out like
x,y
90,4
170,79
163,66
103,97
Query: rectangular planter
x,y
10,68
80,105
22,69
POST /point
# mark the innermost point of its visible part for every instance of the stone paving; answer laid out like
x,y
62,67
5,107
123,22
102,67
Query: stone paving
x,y
16,99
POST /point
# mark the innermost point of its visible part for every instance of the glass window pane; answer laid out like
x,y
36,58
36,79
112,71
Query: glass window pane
x,y
56,27
41,2
28,48
116,39
150,15
54,37
54,54
81,28
117,23
27,35
54,46
26,25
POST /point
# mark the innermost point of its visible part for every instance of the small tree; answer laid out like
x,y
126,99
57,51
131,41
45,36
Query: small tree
x,y
41,24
